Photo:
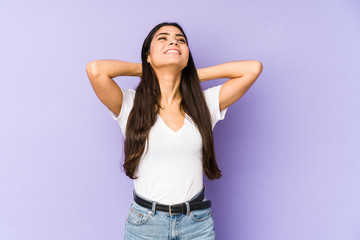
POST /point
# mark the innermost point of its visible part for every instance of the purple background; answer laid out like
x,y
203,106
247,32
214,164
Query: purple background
x,y
288,149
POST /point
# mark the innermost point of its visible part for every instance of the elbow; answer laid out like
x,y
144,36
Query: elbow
x,y
258,67
255,68
92,68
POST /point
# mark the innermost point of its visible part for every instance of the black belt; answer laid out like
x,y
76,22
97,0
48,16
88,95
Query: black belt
x,y
194,204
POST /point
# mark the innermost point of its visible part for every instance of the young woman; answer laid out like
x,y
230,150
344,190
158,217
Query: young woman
x,y
167,123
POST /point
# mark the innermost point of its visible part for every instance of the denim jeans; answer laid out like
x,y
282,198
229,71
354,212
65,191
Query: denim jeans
x,y
144,223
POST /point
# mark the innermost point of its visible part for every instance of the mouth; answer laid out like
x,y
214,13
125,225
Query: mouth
x,y
172,51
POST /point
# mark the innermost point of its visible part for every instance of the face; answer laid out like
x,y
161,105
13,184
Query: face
x,y
165,39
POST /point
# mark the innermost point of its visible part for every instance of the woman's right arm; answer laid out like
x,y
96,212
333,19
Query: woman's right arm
x,y
100,74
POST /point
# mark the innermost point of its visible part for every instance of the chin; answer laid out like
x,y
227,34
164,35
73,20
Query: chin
x,y
176,65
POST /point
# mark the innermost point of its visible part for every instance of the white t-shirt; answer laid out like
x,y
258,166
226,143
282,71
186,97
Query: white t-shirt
x,y
171,171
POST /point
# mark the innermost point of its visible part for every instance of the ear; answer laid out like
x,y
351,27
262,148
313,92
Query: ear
x,y
148,59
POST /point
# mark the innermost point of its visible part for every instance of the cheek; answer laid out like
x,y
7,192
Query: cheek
x,y
186,51
187,55
155,50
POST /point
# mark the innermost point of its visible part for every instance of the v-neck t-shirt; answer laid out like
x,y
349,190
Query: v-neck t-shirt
x,y
171,171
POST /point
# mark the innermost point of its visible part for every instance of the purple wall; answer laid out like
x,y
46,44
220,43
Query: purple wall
x,y
288,149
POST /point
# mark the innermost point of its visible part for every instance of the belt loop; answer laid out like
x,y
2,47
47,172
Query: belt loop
x,y
153,208
187,208
170,211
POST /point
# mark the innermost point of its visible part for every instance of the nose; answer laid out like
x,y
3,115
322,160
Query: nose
x,y
173,41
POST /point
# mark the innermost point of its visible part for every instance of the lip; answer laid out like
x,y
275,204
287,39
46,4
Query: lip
x,y
173,49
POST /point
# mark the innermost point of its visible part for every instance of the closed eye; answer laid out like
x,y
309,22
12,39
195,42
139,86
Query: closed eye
x,y
181,40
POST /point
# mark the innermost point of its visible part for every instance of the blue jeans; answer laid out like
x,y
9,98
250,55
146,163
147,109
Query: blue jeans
x,y
144,223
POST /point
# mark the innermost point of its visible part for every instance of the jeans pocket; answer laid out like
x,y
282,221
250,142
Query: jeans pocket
x,y
138,215
200,215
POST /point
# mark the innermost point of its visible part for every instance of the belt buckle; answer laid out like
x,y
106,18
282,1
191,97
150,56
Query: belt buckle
x,y
170,212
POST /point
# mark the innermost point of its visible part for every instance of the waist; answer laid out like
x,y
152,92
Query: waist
x,y
168,193
197,202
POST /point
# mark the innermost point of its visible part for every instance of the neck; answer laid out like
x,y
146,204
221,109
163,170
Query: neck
x,y
169,86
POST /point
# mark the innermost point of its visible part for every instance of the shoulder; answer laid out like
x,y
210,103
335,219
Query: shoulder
x,y
128,97
212,100
126,105
212,93
213,89
128,93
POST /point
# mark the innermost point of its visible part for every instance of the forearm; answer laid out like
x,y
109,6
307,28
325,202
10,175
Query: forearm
x,y
229,70
115,68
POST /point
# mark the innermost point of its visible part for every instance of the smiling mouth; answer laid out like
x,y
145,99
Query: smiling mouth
x,y
172,51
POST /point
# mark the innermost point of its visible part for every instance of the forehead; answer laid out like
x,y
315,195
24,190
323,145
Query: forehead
x,y
168,29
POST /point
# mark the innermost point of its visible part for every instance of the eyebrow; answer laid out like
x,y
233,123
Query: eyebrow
x,y
178,34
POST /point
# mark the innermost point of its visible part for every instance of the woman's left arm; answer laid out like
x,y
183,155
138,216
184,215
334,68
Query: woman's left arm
x,y
242,75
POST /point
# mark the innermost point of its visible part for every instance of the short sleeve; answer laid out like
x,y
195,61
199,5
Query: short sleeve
x,y
212,100
127,104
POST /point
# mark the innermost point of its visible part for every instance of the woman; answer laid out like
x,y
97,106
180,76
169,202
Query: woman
x,y
167,123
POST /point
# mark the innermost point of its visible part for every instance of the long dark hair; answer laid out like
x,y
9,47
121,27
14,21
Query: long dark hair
x,y
146,107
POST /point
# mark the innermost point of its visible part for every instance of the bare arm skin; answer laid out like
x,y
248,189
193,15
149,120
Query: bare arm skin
x,y
242,75
100,74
